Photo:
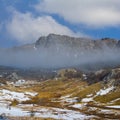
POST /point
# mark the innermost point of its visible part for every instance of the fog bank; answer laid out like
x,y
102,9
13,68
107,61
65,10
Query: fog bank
x,y
46,58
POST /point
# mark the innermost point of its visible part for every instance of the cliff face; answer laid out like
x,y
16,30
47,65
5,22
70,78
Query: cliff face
x,y
53,40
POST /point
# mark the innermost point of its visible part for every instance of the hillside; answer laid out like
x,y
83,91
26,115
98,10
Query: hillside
x,y
71,94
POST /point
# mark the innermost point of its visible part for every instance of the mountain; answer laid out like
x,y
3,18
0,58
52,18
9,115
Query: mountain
x,y
78,43
61,51
63,77
58,42
50,53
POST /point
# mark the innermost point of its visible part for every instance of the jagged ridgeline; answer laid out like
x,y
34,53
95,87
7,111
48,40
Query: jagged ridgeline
x,y
60,51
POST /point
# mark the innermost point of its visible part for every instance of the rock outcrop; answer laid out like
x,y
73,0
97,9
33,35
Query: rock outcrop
x,y
59,41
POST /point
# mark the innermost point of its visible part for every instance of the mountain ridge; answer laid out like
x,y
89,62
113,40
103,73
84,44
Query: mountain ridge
x,y
44,41
72,41
61,51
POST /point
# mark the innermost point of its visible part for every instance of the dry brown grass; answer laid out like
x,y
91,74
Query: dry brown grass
x,y
109,97
92,89
55,89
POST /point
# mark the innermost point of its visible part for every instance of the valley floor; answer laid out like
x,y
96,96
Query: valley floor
x,y
58,99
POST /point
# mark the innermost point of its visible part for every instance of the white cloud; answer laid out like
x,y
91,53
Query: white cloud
x,y
96,13
24,27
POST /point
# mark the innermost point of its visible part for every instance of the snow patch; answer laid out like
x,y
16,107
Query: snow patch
x,y
55,113
115,106
19,82
90,95
31,93
68,99
115,100
64,114
10,95
64,97
84,76
13,111
79,106
87,99
105,91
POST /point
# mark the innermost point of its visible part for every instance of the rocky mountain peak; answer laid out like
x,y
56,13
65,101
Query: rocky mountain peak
x,y
54,40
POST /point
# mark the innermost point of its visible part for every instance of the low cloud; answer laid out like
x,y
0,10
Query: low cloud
x,y
66,57
25,28
95,13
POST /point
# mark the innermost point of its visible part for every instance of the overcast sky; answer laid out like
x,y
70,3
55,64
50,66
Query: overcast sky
x,y
24,21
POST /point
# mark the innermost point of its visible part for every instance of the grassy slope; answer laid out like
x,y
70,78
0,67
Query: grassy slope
x,y
55,89
50,89
109,97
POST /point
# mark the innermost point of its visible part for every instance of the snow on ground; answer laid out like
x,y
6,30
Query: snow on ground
x,y
87,99
105,110
100,92
12,111
55,113
31,93
79,106
115,100
84,76
64,114
109,111
64,97
115,106
68,99
90,95
10,95
104,91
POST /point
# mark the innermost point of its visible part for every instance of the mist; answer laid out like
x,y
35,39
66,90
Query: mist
x,y
63,58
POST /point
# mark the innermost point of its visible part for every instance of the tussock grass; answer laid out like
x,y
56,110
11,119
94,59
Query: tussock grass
x,y
117,102
92,89
109,97
54,89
